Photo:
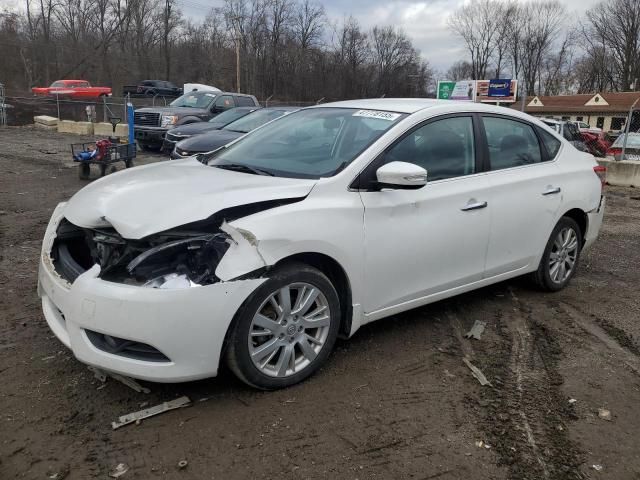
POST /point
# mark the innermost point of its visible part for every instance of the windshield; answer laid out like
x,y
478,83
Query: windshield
x,y
254,120
57,84
311,143
229,116
633,141
194,100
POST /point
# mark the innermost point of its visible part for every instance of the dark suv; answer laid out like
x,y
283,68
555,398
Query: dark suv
x,y
151,123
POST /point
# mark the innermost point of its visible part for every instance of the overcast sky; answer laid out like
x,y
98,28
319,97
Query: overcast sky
x,y
424,21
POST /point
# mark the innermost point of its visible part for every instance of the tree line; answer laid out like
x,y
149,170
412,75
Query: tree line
x,y
287,49
550,55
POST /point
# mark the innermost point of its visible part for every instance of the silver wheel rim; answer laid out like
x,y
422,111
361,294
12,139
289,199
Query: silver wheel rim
x,y
289,329
564,253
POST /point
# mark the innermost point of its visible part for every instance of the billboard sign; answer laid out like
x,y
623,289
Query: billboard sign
x,y
497,90
464,90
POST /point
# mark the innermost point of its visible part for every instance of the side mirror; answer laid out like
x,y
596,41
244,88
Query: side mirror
x,y
401,175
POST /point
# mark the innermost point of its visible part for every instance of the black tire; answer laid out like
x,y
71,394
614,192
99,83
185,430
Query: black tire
x,y
542,277
237,353
103,170
84,170
128,163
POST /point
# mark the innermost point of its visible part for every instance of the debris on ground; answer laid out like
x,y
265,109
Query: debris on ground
x,y
182,464
481,444
101,376
119,470
604,414
597,468
572,401
476,330
150,412
476,372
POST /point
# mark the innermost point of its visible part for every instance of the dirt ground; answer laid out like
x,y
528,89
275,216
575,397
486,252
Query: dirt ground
x,y
396,401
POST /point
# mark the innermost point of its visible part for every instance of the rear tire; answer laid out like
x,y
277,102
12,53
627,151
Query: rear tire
x,y
561,256
270,348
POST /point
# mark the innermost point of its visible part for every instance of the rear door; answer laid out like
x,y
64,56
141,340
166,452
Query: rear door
x,y
526,192
427,241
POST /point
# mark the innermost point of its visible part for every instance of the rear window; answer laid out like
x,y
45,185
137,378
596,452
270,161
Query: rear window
x,y
633,141
245,101
194,100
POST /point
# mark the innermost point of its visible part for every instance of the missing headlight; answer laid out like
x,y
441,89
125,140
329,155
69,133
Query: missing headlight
x,y
180,263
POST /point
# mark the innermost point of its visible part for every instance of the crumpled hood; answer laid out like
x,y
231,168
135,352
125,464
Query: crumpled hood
x,y
153,198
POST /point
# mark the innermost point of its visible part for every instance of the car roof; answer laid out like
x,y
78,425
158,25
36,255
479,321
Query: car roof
x,y
412,105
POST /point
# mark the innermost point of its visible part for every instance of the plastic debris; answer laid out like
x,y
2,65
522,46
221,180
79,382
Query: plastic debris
x,y
119,470
476,330
182,464
101,375
137,417
476,372
572,401
481,444
604,414
597,468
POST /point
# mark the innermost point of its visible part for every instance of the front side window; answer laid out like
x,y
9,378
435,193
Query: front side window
x,y
311,143
225,102
57,84
444,148
511,143
195,100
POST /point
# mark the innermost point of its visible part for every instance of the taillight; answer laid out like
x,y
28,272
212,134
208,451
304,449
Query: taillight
x,y
612,152
602,173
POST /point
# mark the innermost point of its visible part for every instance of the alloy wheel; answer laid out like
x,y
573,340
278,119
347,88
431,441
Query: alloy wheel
x,y
564,253
289,329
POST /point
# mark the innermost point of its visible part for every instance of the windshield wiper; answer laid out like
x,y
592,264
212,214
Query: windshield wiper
x,y
239,167
236,131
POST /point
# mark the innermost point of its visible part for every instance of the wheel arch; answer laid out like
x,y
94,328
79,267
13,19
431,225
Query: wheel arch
x,y
338,277
580,218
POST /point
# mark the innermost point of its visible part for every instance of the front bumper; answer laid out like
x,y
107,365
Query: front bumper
x,y
149,135
187,325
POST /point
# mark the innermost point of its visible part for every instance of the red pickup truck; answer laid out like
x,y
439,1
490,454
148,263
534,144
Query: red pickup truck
x,y
72,89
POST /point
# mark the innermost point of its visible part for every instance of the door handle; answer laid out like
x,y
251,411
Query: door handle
x,y
473,206
551,190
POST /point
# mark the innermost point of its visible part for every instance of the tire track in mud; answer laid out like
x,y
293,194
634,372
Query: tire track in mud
x,y
614,338
526,414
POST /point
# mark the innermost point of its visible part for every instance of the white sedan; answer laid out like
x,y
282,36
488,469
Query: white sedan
x,y
261,253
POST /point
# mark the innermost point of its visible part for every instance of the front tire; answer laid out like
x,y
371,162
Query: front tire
x,y
286,329
561,256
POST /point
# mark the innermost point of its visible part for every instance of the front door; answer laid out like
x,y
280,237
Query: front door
x,y
427,241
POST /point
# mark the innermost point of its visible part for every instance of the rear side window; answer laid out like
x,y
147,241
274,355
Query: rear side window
x,y
245,101
444,148
551,143
511,143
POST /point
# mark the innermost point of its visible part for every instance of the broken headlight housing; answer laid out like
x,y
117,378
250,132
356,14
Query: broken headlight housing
x,y
178,258
180,263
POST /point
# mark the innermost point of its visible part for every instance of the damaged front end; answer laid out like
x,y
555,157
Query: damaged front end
x,y
179,258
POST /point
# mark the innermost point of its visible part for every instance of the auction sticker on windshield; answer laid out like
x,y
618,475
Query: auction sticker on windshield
x,y
377,114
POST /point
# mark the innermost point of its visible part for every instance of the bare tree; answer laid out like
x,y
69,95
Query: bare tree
x,y
460,70
617,22
478,23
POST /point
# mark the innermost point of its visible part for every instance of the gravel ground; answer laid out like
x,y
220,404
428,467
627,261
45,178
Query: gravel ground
x,y
395,401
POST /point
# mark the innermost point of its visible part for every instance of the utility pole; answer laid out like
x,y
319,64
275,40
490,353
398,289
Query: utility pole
x,y
167,58
236,24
